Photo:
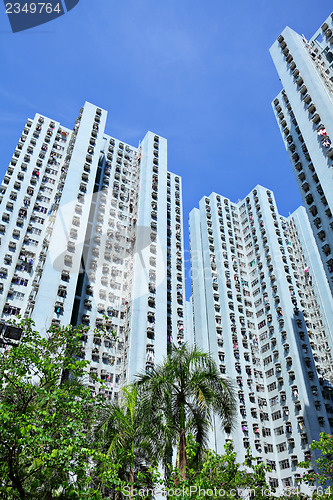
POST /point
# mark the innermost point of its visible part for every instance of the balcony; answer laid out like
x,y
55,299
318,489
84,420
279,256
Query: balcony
x,y
322,235
151,301
326,249
303,90
309,199
85,319
150,333
316,118
311,108
305,187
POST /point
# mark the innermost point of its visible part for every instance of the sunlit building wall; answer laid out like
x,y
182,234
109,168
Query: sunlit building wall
x,y
261,303
304,112
92,233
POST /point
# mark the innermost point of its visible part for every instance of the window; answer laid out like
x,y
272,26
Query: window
x,y
38,219
73,233
62,291
18,295
258,314
265,347
48,179
32,242
274,401
284,464
276,415
263,336
271,387
45,199
11,310
17,280
281,447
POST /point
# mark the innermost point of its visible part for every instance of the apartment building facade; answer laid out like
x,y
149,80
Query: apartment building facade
x,y
91,233
304,112
263,308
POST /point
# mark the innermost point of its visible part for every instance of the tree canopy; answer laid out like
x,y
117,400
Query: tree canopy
x,y
182,395
47,418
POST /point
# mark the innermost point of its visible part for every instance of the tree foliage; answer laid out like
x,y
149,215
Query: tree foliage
x,y
127,437
182,395
46,419
321,478
219,476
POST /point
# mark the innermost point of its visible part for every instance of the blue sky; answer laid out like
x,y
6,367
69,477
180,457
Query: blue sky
x,y
197,72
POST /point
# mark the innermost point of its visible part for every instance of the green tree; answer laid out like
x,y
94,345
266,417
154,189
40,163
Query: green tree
x,y
182,395
46,419
128,439
321,478
219,476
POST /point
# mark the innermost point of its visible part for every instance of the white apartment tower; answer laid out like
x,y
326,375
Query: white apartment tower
x,y
263,308
304,112
91,226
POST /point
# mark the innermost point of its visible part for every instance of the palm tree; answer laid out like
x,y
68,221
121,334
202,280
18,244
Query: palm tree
x,y
183,394
126,436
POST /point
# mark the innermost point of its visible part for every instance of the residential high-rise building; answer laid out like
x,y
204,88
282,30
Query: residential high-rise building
x,y
91,232
263,308
304,112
